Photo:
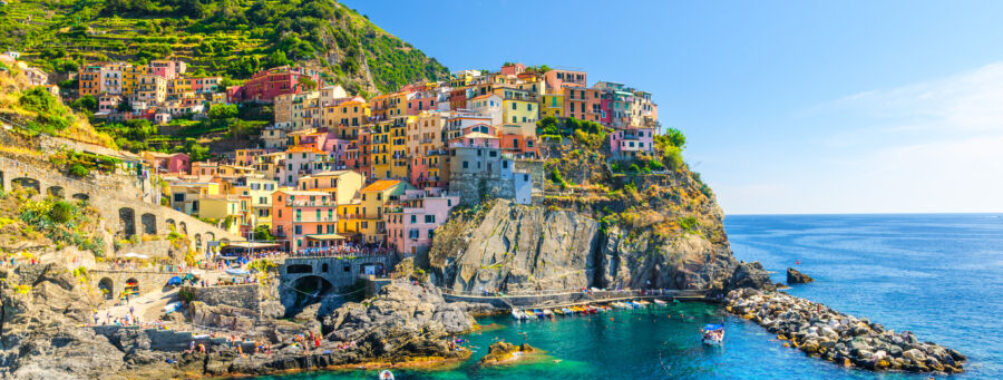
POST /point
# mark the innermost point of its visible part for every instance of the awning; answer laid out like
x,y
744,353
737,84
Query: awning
x,y
251,245
325,237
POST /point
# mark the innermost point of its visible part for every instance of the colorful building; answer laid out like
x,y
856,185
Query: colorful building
x,y
374,199
412,219
341,185
304,219
265,85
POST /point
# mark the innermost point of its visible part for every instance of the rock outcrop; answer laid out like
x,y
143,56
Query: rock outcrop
x,y
795,277
821,332
42,307
517,248
504,352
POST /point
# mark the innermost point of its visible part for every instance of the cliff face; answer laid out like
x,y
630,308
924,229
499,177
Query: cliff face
x,y
515,248
597,226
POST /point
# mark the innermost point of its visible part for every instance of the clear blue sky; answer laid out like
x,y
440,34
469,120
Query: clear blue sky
x,y
788,106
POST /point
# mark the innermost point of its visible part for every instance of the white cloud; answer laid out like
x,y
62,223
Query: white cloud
x,y
934,146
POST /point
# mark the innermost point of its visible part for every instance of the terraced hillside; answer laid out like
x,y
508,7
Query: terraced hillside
x,y
233,38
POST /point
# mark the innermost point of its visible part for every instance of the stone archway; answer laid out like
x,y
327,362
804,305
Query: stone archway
x,y
107,288
81,197
184,228
209,236
173,227
149,223
127,218
56,191
131,287
312,285
27,183
198,242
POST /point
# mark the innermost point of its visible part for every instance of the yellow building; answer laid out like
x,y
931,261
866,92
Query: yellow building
x,y
343,185
350,217
259,190
151,88
374,200
130,78
346,118
398,147
424,133
552,105
380,149
518,106
232,211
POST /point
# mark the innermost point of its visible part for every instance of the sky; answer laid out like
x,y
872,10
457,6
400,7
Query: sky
x,y
789,107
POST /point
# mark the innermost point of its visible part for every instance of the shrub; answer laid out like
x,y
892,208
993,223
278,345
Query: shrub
x,y
689,223
673,157
61,212
80,171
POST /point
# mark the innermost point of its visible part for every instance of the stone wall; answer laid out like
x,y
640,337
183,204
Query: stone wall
x,y
242,296
115,280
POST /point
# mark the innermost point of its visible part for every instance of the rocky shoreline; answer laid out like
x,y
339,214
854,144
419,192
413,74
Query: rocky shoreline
x,y
825,333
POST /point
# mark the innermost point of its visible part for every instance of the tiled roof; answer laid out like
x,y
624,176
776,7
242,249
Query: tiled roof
x,y
380,185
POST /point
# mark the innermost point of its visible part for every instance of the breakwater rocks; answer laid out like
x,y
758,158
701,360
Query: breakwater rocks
x,y
795,277
844,339
504,352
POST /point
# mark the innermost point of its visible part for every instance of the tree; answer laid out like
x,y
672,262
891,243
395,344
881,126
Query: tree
x,y
262,233
223,111
307,83
85,103
278,58
675,138
194,150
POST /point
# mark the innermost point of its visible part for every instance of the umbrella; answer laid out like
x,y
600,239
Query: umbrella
x,y
174,281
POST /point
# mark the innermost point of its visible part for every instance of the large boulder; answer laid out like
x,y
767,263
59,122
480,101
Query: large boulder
x,y
795,277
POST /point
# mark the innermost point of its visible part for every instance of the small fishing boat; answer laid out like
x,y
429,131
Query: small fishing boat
x,y
713,334
558,312
548,313
567,311
643,303
539,313
518,315
660,302
620,305
386,375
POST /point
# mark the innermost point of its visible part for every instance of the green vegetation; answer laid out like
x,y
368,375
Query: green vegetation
x,y
81,164
52,115
588,133
231,38
262,233
61,222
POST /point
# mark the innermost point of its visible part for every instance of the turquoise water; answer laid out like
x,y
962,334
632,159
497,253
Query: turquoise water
x,y
940,276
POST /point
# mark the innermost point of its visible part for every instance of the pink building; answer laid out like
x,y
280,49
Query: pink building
x,y
172,163
513,69
422,101
412,220
167,69
632,142
558,79
264,86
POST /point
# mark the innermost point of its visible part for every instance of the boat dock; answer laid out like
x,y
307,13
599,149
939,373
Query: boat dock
x,y
550,300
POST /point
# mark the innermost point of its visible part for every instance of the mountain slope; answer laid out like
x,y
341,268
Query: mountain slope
x,y
233,38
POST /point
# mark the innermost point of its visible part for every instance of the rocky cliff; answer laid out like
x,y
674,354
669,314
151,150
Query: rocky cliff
x,y
610,229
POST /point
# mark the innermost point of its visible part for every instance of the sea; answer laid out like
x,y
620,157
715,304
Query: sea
x,y
940,276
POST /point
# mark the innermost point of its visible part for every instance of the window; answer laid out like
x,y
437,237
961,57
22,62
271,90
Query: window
x,y
431,232
504,164
298,229
429,218
494,153
299,214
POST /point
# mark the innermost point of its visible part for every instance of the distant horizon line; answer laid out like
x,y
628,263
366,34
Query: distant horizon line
x,y
727,214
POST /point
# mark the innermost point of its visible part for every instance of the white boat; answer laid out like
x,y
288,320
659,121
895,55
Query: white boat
x,y
548,313
386,375
518,315
660,302
713,334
